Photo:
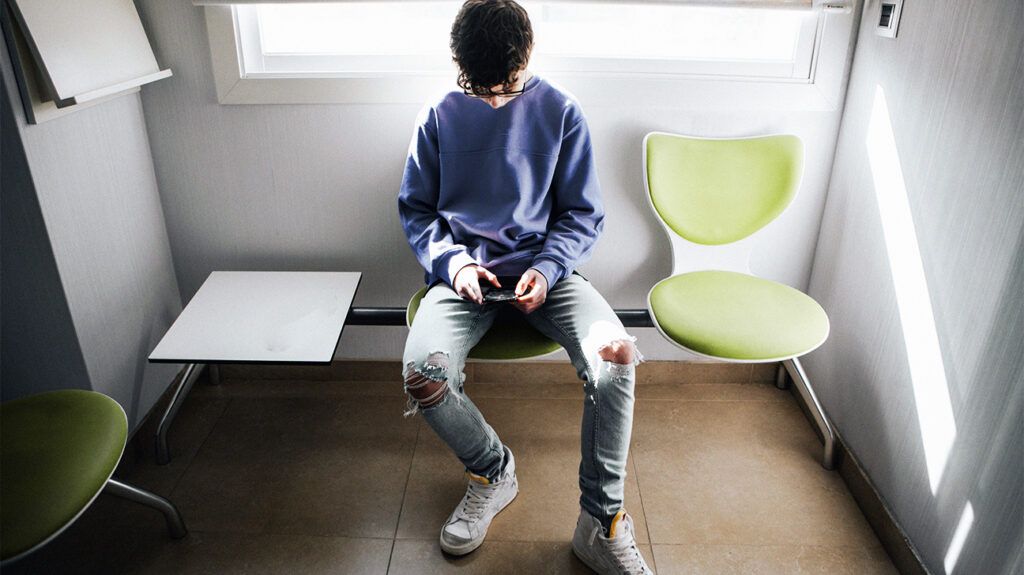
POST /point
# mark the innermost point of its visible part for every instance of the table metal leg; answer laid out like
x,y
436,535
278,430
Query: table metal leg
x,y
163,454
803,386
175,524
214,370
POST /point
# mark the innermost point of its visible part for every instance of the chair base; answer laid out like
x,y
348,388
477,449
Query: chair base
x,y
175,524
803,387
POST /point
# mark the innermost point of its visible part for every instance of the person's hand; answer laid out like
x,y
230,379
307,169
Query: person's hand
x,y
467,282
535,287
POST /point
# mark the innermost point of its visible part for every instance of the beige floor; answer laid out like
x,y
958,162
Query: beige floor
x,y
327,477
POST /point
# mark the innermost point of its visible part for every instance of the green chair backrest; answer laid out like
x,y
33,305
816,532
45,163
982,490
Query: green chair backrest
x,y
718,191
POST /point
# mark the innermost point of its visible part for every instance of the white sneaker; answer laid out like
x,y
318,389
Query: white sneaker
x,y
467,525
616,554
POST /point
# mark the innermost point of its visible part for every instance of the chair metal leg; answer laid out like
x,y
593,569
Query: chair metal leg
x,y
175,524
780,377
163,453
803,386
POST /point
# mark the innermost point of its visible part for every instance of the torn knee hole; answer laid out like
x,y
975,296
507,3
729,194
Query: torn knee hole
x,y
428,383
426,391
621,351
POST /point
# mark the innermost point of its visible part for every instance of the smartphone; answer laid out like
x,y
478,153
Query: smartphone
x,y
500,295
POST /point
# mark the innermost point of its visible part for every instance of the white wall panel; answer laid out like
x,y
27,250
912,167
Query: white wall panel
x,y
315,186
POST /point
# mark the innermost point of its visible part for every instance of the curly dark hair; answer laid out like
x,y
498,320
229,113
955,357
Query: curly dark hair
x,y
491,41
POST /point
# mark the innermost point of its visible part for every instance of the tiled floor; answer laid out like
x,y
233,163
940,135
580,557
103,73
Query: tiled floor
x,y
327,477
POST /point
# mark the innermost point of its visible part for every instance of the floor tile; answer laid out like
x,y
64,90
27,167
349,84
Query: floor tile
x,y
186,434
354,491
674,391
323,466
692,372
318,476
523,371
218,553
544,435
739,473
711,392
562,372
268,388
771,559
414,556
526,390
85,549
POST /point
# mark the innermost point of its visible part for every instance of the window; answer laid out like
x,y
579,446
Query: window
x,y
397,52
354,39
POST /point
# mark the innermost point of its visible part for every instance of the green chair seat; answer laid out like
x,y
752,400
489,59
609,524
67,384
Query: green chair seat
x,y
735,316
57,452
510,338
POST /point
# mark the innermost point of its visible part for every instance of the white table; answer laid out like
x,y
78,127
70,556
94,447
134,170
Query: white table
x,y
254,317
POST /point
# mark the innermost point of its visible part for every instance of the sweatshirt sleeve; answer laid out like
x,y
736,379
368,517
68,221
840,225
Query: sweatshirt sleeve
x,y
577,216
428,233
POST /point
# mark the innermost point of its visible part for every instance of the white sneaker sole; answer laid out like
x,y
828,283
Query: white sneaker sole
x,y
471,546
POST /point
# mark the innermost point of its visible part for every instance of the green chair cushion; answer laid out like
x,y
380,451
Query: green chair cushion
x,y
735,316
57,452
510,338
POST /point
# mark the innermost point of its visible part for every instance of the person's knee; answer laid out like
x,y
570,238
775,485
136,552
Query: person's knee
x,y
606,340
621,351
426,381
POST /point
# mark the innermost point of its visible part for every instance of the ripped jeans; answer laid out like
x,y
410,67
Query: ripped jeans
x,y
576,316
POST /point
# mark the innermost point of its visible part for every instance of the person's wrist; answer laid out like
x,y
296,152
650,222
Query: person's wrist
x,y
547,282
548,269
455,264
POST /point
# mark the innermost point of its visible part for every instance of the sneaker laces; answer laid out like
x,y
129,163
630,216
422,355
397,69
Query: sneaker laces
x,y
475,502
623,548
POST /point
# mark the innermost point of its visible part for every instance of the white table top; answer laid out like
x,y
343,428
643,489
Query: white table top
x,y
261,317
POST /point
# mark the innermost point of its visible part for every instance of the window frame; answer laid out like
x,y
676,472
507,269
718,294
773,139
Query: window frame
x,y
679,88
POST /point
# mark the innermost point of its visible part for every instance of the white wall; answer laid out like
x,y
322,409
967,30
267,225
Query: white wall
x,y
953,83
99,289
315,186
37,325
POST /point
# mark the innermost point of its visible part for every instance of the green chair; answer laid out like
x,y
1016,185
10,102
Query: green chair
x,y
510,338
58,452
712,196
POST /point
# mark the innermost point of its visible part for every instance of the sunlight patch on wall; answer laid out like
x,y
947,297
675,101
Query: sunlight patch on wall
x,y
924,355
956,545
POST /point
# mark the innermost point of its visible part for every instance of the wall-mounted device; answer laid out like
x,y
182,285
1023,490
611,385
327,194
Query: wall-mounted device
x,y
888,17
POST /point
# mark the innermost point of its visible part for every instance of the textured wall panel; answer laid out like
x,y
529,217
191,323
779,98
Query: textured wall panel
x,y
952,87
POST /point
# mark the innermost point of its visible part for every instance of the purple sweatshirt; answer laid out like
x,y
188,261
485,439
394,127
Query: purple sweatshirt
x,y
508,188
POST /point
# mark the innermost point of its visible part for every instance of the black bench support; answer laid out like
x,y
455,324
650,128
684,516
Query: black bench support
x,y
396,316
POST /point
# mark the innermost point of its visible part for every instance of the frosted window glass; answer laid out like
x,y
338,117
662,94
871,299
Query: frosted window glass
x,y
321,33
